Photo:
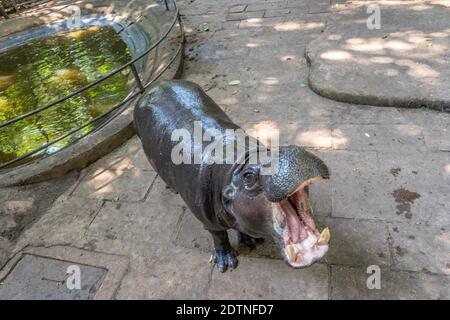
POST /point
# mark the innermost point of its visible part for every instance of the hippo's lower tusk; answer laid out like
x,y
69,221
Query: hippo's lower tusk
x,y
290,249
324,237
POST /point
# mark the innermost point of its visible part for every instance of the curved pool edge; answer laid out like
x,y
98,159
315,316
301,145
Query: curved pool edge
x,y
95,145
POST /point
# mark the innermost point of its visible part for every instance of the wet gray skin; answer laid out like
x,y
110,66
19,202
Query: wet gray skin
x,y
232,196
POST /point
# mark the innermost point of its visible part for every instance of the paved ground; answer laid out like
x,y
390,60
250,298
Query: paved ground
x,y
387,204
404,63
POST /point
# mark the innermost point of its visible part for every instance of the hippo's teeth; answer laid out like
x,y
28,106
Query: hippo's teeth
x,y
290,249
324,237
298,259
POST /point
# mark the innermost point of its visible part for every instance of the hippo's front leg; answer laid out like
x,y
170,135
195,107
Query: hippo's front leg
x,y
223,255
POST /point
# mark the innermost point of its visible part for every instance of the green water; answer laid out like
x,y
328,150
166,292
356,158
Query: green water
x,y
46,69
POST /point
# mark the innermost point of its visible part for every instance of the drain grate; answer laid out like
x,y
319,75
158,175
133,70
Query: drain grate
x,y
35,278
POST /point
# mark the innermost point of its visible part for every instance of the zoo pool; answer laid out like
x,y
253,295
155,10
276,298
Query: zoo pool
x,y
67,90
43,70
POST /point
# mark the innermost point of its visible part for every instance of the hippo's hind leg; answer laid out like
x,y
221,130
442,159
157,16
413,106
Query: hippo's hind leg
x,y
249,241
223,255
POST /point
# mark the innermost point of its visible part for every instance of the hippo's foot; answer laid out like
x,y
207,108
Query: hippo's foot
x,y
248,240
224,259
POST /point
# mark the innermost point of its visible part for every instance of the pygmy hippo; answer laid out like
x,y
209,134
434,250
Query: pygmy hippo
x,y
231,195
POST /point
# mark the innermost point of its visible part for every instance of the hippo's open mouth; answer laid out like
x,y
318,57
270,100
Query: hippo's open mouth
x,y
301,242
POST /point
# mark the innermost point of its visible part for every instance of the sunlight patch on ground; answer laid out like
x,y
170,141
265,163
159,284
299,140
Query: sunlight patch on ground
x,y
101,183
421,7
265,131
252,23
418,70
336,55
376,45
253,45
315,138
382,60
447,169
270,81
293,26
339,139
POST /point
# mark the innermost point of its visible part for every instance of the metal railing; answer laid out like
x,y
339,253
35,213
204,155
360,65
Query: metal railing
x,y
107,117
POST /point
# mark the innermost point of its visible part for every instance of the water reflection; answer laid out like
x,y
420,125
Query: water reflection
x,y
46,69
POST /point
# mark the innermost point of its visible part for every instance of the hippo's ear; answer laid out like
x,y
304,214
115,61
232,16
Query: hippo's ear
x,y
229,192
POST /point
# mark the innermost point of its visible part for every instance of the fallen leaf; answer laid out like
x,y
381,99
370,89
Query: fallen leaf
x,y
204,27
302,85
234,82
401,141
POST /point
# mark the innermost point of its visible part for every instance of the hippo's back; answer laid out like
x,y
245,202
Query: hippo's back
x,y
170,106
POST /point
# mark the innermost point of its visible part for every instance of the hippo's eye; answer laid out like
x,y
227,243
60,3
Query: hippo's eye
x,y
250,180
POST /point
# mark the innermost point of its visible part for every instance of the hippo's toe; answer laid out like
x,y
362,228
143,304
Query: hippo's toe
x,y
224,259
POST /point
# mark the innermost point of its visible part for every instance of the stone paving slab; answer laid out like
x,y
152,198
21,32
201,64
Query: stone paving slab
x,y
418,185
369,115
353,185
351,283
161,193
129,156
254,279
358,242
191,234
21,206
36,278
65,223
393,187
437,137
399,138
421,247
124,185
115,265
403,63
136,222
173,273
